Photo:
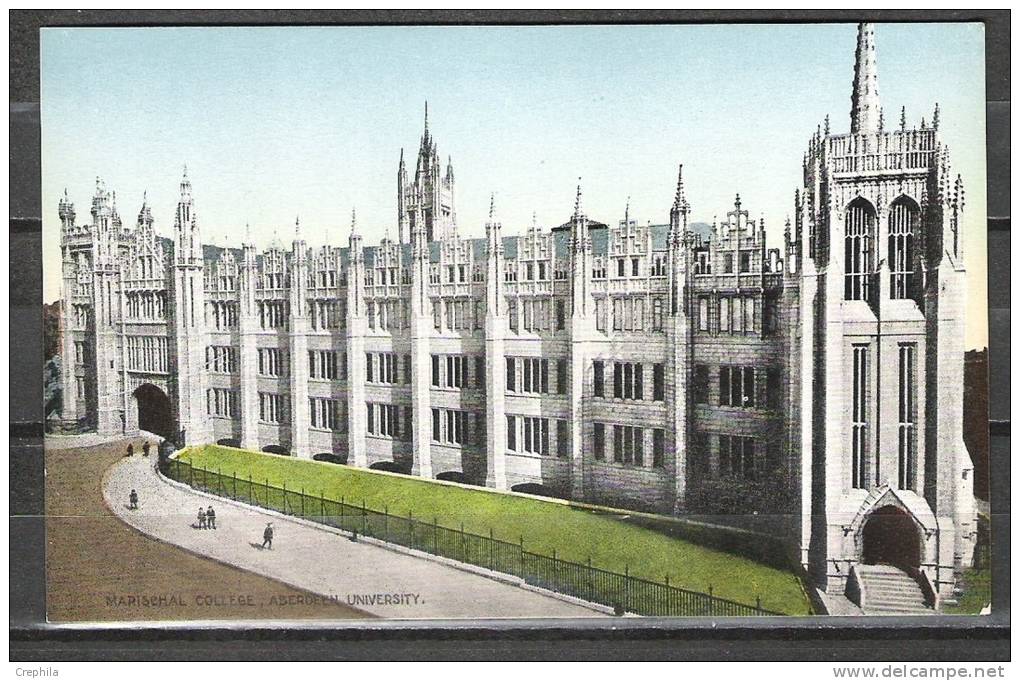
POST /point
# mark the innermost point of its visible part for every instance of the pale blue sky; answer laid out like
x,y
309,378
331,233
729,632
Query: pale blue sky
x,y
278,122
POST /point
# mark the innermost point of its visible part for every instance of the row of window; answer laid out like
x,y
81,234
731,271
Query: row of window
x,y
628,381
384,420
657,268
146,304
629,313
629,444
221,359
531,375
148,353
532,435
222,402
862,455
738,314
739,386
536,314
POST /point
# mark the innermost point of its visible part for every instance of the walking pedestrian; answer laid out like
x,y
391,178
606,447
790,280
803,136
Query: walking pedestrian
x,y
145,448
201,518
210,518
130,449
267,536
133,500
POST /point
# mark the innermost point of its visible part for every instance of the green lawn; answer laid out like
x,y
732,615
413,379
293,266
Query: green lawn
x,y
575,534
977,593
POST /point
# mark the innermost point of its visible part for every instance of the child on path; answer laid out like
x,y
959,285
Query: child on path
x,y
133,500
201,518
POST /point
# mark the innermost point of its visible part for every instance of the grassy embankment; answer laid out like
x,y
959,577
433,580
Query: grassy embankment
x,y
574,533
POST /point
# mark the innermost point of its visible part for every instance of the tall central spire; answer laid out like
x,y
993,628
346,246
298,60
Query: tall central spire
x,y
865,109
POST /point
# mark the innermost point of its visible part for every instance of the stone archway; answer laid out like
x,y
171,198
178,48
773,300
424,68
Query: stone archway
x,y
154,412
890,536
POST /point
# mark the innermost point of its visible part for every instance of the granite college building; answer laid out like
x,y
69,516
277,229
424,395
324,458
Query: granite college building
x,y
673,368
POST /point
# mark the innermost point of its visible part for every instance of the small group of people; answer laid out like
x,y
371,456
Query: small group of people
x,y
206,518
145,448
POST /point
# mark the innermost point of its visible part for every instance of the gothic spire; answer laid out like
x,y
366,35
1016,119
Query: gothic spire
x,y
577,200
680,201
903,118
935,117
492,207
864,103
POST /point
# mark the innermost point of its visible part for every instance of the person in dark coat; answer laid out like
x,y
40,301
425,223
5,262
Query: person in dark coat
x,y
145,448
201,518
130,449
133,500
210,518
267,536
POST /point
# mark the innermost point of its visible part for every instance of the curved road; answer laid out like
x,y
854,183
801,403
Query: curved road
x,y
319,560
100,570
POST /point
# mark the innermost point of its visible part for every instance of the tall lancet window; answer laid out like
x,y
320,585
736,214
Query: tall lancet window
x,y
903,219
908,417
857,246
859,415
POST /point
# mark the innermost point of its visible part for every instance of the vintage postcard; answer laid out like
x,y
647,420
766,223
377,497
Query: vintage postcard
x,y
498,322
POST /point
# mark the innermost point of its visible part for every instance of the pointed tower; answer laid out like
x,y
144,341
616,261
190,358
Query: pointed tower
x,y
190,337
357,329
679,340
402,214
865,109
495,359
248,330
106,294
431,193
881,322
298,342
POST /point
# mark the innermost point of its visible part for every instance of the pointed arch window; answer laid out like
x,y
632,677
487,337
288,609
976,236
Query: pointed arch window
x,y
858,250
904,216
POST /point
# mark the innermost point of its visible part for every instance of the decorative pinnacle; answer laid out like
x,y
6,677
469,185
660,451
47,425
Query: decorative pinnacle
x,y
626,213
577,200
297,227
736,202
492,206
826,124
680,201
903,118
354,221
935,117
881,119
864,102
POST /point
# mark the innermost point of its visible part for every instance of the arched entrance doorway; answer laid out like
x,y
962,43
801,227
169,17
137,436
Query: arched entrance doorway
x,y
890,537
154,414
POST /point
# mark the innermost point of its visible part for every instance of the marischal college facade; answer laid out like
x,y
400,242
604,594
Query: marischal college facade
x,y
673,368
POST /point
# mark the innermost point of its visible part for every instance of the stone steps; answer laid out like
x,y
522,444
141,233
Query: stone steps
x,y
890,591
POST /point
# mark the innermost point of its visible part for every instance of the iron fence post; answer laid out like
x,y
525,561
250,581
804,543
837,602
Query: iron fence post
x,y
410,518
234,486
302,502
322,506
284,494
492,549
435,535
219,480
463,548
522,558
626,587
386,523
364,518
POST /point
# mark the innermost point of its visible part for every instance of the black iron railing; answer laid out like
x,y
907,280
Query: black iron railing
x,y
622,592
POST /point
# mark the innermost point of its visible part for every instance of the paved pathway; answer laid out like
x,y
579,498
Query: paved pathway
x,y
371,578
